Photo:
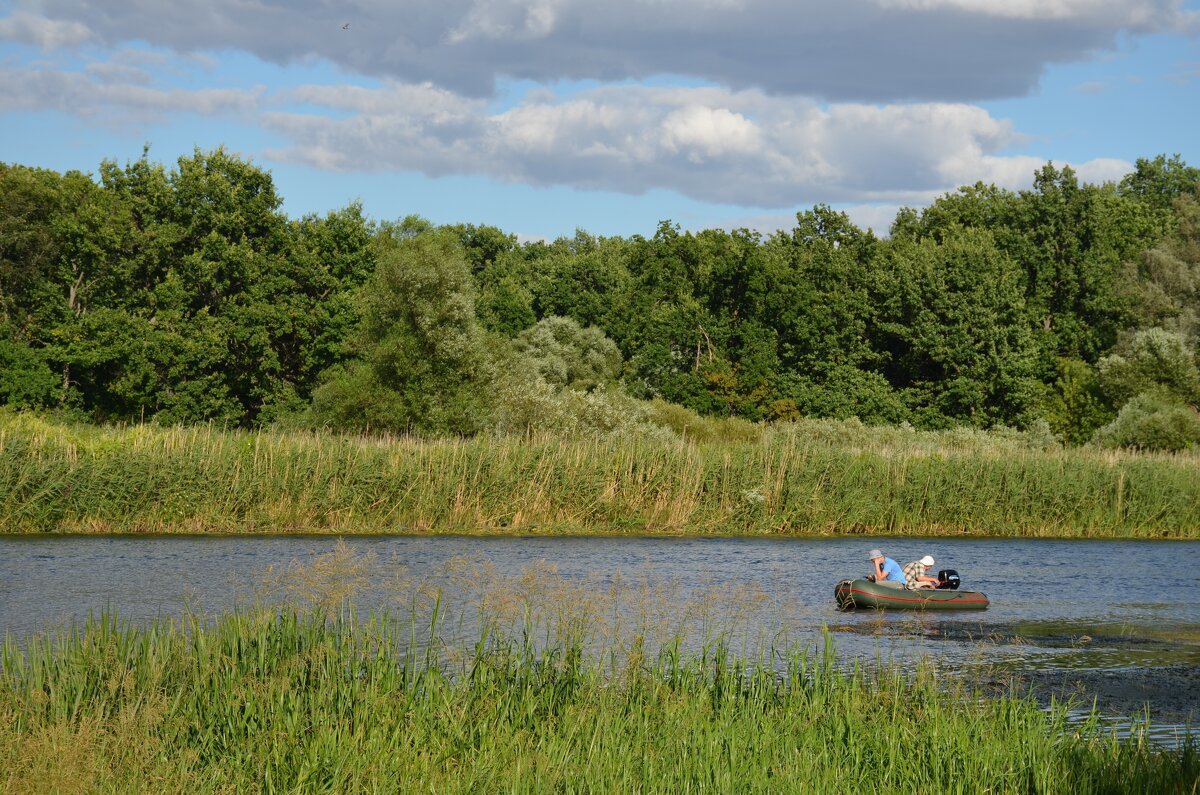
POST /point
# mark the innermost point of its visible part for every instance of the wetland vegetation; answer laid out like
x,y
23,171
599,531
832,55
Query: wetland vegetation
x,y
807,477
315,701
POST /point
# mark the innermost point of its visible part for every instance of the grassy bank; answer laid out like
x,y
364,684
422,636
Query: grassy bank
x,y
806,478
291,701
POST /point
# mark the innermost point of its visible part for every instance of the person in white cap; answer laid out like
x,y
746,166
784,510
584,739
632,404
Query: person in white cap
x,y
914,573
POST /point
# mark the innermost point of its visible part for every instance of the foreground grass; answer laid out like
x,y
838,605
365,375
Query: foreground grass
x,y
808,478
293,701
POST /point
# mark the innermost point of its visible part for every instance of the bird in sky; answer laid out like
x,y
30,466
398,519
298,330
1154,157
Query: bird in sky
x,y
346,26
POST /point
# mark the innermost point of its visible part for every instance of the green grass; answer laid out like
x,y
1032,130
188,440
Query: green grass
x,y
818,477
304,701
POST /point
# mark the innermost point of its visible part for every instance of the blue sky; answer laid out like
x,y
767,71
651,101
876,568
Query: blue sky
x,y
546,116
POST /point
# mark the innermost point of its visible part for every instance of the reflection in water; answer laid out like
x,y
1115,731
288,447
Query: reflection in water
x,y
1082,619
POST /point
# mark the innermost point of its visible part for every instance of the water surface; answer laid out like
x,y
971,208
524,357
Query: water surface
x,y
1115,620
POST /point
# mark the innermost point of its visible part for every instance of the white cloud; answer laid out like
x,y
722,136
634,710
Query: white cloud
x,y
110,72
1103,169
872,50
49,34
110,101
1134,15
745,148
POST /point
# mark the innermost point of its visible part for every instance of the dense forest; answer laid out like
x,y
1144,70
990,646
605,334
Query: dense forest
x,y
185,294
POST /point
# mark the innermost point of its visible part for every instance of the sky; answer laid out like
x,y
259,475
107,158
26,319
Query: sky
x,y
548,116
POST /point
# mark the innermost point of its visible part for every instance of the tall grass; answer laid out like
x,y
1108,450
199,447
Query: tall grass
x,y
307,701
807,478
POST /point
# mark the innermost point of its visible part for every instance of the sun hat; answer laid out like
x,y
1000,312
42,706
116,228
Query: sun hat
x,y
874,553
926,561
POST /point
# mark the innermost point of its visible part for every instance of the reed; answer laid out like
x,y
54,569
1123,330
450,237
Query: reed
x,y
812,478
305,700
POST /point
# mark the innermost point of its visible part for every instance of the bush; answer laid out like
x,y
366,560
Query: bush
x,y
566,354
1152,421
1155,360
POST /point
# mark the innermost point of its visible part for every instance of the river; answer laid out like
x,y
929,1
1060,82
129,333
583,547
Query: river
x,y
1117,621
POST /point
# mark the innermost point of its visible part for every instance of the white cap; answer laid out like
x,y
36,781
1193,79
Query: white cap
x,y
926,561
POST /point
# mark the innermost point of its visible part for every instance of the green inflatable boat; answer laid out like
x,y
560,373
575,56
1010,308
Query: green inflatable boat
x,y
864,593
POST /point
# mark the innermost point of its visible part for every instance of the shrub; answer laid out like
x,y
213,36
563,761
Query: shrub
x,y
1152,421
566,354
1155,360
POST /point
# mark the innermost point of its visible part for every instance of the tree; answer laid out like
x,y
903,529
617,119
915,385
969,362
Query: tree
x,y
952,324
422,362
1151,422
1072,240
1159,182
1162,286
1076,407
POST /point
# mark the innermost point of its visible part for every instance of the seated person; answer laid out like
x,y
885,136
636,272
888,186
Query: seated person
x,y
914,573
887,571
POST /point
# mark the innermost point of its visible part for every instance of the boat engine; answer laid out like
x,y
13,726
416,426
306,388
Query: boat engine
x,y
948,578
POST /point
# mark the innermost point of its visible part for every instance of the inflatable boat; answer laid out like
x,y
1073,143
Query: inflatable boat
x,y
864,593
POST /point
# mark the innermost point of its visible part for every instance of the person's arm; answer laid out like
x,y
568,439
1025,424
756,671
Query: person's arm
x,y
879,575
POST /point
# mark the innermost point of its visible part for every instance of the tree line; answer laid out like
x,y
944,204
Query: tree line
x,y
185,294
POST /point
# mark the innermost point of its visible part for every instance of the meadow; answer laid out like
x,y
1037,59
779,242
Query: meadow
x,y
810,477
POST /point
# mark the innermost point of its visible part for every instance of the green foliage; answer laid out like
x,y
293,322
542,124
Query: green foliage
x,y
505,306
422,360
533,406
566,355
1152,421
1159,182
1163,284
26,380
1156,360
1076,406
952,319
842,393
184,294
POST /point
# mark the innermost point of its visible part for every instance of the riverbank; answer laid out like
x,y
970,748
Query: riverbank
x,y
302,701
807,478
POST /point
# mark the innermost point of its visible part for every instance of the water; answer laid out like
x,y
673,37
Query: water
x,y
1113,620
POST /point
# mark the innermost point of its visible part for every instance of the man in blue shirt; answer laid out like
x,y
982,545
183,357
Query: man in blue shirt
x,y
887,571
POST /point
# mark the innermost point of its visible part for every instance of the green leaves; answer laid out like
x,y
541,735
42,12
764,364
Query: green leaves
x,y
184,293
422,359
952,320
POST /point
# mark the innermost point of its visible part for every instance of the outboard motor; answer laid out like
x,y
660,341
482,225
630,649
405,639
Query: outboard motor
x,y
948,579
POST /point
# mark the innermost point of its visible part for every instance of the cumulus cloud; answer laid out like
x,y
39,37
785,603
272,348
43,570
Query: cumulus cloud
x,y
747,148
734,147
858,50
